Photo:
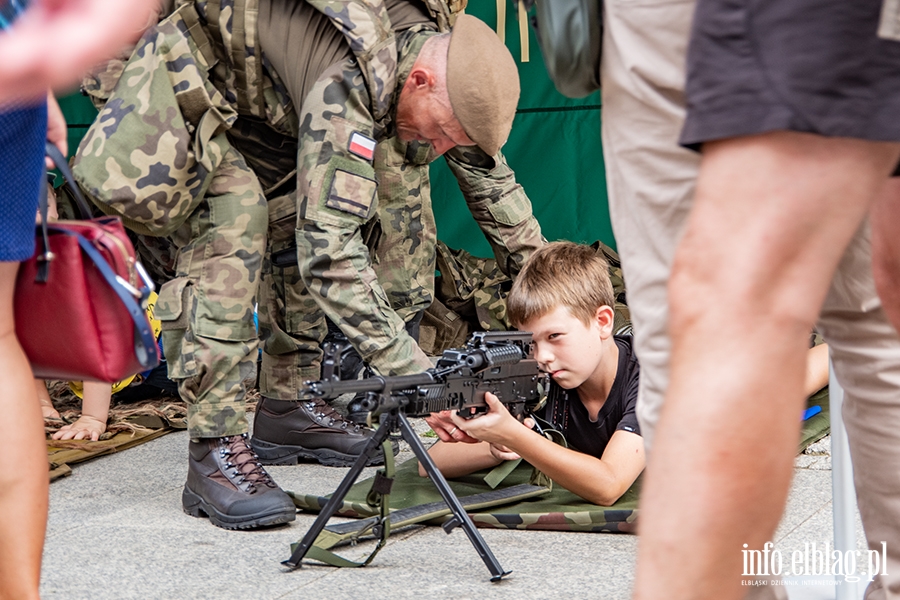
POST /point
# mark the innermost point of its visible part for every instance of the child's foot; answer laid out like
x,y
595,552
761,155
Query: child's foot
x,y
85,428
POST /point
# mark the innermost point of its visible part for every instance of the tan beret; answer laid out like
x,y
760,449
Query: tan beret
x,y
482,82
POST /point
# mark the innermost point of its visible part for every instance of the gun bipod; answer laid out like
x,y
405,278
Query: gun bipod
x,y
392,422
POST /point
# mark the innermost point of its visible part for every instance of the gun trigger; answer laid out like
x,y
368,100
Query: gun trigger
x,y
451,524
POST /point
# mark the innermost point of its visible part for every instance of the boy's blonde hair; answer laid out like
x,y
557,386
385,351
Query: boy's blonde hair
x,y
561,274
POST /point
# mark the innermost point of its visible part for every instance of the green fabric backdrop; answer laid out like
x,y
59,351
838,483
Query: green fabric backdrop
x,y
554,148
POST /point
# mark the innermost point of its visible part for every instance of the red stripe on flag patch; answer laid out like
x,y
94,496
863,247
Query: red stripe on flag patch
x,y
362,146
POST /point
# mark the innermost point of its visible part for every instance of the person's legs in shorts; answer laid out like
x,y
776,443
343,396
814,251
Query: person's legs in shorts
x,y
865,350
651,184
772,216
650,178
885,215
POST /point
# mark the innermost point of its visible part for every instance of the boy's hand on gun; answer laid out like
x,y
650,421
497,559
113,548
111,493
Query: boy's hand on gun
x,y
85,428
501,452
446,429
497,426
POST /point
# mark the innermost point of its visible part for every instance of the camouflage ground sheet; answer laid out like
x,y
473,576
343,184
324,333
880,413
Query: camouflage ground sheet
x,y
129,425
558,509
819,425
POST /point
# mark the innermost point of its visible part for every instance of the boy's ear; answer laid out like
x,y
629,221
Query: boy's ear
x,y
605,318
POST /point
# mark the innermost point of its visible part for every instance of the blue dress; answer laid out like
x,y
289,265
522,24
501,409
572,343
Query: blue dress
x,y
23,134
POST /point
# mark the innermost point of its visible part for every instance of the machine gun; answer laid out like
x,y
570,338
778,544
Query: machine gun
x,y
496,362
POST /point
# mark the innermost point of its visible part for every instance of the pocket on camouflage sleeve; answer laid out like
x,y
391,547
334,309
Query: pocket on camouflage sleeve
x,y
351,193
510,210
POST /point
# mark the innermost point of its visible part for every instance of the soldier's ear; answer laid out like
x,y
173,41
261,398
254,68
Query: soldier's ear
x,y
421,77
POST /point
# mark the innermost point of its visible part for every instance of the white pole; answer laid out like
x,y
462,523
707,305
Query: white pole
x,y
842,491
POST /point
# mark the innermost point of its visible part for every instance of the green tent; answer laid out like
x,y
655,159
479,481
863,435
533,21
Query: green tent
x,y
554,148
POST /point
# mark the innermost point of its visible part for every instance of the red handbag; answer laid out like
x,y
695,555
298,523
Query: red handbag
x,y
80,300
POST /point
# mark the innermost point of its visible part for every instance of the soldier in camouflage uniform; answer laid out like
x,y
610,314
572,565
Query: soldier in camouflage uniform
x,y
204,124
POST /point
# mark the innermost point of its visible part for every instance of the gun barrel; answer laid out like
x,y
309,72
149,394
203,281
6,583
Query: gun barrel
x,y
505,354
332,389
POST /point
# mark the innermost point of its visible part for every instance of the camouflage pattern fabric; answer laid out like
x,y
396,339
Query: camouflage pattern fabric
x,y
444,12
336,197
341,224
368,30
475,288
405,234
227,34
170,168
209,336
99,83
557,510
291,325
150,162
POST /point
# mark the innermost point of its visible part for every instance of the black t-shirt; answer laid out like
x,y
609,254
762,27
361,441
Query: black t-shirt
x,y
567,414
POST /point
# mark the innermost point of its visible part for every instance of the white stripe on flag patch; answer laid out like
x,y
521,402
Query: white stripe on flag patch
x,y
362,146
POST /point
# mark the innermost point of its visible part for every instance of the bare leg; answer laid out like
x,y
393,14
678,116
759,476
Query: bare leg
x,y
23,487
816,369
772,216
885,215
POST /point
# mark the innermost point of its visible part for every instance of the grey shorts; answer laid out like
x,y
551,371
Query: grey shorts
x,y
814,66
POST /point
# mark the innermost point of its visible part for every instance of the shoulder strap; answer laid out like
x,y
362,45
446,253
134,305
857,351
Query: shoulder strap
x,y
368,30
234,25
444,12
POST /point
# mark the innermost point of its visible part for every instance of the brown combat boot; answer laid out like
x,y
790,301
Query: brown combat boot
x,y
227,483
286,432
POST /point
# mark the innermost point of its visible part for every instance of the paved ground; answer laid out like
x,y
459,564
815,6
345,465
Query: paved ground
x,y
116,530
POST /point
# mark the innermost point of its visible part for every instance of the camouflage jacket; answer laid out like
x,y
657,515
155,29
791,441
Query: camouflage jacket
x,y
336,124
337,196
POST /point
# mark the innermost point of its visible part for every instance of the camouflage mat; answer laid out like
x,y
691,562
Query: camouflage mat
x,y
557,509
533,508
819,425
129,425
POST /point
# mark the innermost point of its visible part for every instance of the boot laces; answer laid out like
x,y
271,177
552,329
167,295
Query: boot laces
x,y
322,410
241,457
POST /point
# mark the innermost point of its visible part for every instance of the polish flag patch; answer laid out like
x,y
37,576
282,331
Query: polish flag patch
x,y
362,146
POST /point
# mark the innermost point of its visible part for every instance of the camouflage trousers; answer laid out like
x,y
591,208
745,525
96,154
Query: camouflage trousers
x,y
401,241
209,337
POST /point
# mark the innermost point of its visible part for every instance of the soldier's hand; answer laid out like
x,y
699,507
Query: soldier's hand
x,y
446,429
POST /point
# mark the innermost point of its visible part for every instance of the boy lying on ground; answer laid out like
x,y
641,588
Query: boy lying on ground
x,y
564,297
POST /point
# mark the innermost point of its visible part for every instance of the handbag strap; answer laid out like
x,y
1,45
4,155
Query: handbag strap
x,y
68,180
59,160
